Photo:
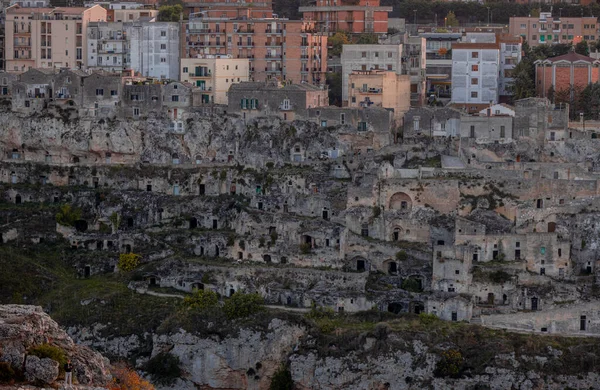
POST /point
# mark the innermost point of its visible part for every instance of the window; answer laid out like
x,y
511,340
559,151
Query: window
x,y
502,132
454,316
523,25
163,46
113,92
136,111
185,69
343,119
100,92
364,54
472,132
543,250
474,81
474,54
389,67
582,322
162,59
286,104
362,126
163,33
376,54
474,68
135,97
390,54
542,271
416,123
175,98
474,94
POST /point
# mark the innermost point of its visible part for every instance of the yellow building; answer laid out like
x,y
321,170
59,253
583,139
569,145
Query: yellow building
x,y
214,75
48,37
380,88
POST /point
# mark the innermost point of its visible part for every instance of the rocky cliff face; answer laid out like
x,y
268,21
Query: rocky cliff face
x,y
378,358
25,327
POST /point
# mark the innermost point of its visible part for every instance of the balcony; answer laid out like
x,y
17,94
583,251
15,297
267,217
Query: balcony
x,y
192,44
240,31
273,44
271,31
246,44
200,75
370,90
200,30
277,70
273,56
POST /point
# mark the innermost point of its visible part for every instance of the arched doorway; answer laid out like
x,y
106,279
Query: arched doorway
x,y
400,201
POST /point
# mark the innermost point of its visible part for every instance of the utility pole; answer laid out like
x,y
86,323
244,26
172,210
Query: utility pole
x,y
488,8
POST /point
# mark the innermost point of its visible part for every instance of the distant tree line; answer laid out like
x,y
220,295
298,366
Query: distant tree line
x,y
474,12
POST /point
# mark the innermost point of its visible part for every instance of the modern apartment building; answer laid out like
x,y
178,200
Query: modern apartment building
x,y
148,48
511,52
130,15
475,74
214,75
48,37
439,62
353,16
277,48
548,29
369,57
380,88
249,9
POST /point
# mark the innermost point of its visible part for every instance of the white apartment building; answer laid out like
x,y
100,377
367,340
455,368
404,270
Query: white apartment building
x,y
149,48
154,49
475,73
369,57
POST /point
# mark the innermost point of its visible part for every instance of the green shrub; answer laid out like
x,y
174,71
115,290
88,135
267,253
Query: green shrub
x,y
401,256
7,373
500,277
376,211
282,379
50,352
428,319
450,364
164,368
243,305
128,261
318,312
68,215
201,300
305,248
412,285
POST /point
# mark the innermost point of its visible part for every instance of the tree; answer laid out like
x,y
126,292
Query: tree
x,y
170,13
202,300
242,305
334,81
535,12
282,379
582,48
125,378
68,215
337,42
367,39
451,20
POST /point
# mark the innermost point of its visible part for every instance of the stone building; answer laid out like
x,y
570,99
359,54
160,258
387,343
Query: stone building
x,y
101,95
33,90
285,101
436,122
139,100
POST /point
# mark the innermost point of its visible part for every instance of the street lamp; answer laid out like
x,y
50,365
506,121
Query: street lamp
x,y
488,8
445,22
559,13
415,11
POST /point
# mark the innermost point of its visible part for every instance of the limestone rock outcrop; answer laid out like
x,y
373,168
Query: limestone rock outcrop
x,y
23,327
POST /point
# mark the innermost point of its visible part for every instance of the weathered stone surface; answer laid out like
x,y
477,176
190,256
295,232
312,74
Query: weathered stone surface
x,y
44,370
23,327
